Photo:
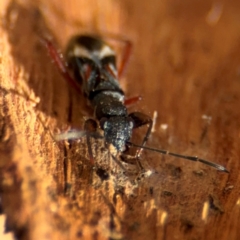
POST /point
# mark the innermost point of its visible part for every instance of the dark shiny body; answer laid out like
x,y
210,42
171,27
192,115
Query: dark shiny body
x,y
93,63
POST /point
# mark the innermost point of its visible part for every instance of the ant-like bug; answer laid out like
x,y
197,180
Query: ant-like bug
x,y
93,64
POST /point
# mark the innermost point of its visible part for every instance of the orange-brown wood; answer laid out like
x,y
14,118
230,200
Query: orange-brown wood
x,y
185,64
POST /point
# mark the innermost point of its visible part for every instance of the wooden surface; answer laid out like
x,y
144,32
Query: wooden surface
x,y
185,64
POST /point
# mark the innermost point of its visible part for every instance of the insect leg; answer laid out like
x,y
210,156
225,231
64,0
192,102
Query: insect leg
x,y
125,54
139,120
132,100
125,58
59,62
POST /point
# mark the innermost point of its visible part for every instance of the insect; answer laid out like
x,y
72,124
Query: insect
x,y
92,63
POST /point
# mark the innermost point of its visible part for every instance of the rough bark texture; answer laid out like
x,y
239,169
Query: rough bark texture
x,y
185,64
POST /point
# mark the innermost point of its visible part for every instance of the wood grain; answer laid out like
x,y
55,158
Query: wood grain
x,y
185,64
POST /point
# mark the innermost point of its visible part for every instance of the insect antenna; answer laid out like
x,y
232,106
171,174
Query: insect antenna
x,y
76,134
192,158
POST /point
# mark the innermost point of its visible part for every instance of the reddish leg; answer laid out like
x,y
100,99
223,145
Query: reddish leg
x,y
125,58
123,64
126,52
132,100
60,64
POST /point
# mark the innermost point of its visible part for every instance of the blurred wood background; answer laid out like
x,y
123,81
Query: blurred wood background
x,y
185,64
